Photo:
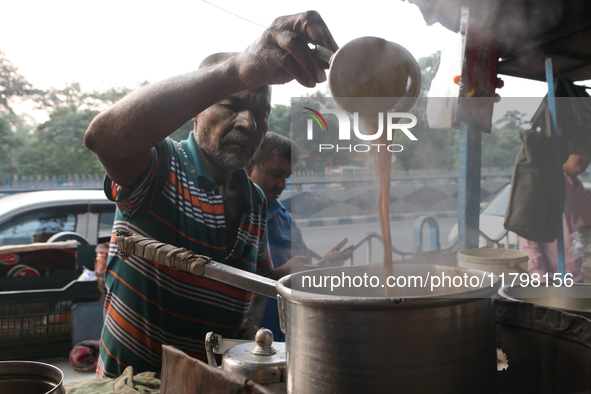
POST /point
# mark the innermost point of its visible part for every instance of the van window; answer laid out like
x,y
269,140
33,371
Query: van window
x,y
42,223
106,220
106,212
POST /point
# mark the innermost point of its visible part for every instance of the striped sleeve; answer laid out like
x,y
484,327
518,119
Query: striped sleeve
x,y
129,199
264,262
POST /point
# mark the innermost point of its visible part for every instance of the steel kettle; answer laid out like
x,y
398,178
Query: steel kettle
x,y
262,361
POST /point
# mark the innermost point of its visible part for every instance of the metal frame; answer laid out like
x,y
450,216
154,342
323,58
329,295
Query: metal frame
x,y
417,241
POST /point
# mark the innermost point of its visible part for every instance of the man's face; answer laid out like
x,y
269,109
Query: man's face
x,y
229,131
271,176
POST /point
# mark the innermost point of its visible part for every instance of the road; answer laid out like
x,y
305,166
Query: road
x,y
321,239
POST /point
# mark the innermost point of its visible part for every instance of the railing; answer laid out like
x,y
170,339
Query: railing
x,y
299,181
366,240
417,247
299,177
417,242
496,243
421,177
11,185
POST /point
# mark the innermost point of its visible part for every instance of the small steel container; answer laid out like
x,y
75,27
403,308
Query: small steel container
x,y
29,377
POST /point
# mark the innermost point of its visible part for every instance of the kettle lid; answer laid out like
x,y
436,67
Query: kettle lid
x,y
263,363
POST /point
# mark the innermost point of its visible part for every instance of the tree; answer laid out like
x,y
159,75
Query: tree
x,y
500,147
279,120
57,147
8,145
429,66
12,86
73,96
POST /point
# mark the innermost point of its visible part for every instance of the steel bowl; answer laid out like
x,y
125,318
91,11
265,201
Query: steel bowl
x,y
30,377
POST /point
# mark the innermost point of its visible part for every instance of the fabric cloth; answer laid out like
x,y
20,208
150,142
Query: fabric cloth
x,y
177,202
127,383
543,256
84,355
285,241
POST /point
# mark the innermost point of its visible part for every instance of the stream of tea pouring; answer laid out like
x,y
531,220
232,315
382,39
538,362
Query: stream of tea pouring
x,y
372,76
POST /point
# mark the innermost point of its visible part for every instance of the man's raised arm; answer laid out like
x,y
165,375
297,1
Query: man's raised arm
x,y
122,136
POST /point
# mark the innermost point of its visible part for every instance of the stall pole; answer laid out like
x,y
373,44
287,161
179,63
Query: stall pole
x,y
469,187
556,162
469,160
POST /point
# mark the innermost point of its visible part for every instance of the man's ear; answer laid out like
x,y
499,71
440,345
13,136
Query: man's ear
x,y
249,167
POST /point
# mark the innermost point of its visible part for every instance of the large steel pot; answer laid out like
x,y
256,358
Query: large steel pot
x,y
29,377
417,342
370,344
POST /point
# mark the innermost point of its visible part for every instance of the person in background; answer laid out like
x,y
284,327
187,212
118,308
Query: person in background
x,y
543,256
269,168
100,265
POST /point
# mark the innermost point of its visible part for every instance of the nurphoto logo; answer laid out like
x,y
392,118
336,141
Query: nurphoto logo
x,y
344,122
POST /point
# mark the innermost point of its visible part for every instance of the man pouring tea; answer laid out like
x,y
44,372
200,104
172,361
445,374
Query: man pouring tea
x,y
194,194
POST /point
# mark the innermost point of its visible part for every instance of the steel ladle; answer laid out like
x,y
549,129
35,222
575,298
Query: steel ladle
x,y
370,75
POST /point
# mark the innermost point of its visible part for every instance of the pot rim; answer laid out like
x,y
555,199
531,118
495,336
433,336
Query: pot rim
x,y
369,303
34,368
505,290
484,256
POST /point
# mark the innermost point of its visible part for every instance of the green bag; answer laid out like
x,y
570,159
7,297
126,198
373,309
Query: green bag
x,y
532,211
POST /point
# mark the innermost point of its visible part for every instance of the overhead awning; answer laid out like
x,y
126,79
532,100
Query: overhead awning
x,y
526,31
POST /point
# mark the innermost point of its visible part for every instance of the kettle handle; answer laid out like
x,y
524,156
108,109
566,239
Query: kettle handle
x,y
215,344
210,342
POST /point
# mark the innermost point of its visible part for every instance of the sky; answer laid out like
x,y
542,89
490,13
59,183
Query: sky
x,y
126,42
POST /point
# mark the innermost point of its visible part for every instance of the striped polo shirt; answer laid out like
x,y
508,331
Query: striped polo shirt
x,y
177,202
